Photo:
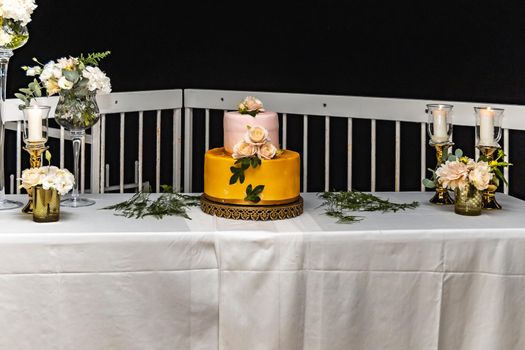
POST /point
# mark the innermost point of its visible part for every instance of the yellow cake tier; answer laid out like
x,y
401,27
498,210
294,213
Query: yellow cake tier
x,y
280,177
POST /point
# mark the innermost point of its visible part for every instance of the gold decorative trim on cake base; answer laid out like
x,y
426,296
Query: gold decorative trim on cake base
x,y
252,212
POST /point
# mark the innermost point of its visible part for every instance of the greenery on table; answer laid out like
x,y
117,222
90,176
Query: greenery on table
x,y
339,204
169,203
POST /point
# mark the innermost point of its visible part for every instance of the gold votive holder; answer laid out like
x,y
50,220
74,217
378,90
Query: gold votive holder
x,y
46,204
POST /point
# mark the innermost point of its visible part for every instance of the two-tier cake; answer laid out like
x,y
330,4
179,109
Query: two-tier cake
x,y
251,177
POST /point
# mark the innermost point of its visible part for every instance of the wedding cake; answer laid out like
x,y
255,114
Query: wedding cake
x,y
251,169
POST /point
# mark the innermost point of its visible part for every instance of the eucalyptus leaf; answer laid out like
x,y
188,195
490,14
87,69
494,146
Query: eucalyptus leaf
x,y
71,75
429,183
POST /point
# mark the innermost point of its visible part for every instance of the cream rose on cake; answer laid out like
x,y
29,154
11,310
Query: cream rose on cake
x,y
255,143
251,105
244,150
256,135
267,151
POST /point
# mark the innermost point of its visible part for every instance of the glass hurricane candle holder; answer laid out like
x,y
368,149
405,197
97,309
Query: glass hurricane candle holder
x,y
439,123
488,126
488,134
440,133
35,125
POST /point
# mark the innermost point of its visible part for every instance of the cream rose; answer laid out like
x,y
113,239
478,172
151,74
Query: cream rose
x,y
267,151
244,149
253,104
256,135
453,175
480,176
31,177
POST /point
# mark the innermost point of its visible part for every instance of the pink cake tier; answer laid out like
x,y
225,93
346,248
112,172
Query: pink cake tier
x,y
235,127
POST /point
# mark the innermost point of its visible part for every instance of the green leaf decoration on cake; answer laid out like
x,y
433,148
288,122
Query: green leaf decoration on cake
x,y
241,165
252,194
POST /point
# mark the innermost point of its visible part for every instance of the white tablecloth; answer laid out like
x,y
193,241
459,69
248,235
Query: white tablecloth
x,y
420,279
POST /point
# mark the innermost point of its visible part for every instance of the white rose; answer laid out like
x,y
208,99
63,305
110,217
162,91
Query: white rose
x,y
65,84
244,149
267,151
256,135
31,177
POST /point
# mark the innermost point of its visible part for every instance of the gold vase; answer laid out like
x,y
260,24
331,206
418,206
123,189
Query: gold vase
x,y
468,201
46,204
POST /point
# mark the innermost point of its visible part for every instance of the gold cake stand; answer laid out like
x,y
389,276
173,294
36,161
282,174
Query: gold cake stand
x,y
252,212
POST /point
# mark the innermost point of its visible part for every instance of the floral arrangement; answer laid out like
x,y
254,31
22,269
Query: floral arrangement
x,y
462,172
250,105
255,142
49,177
78,76
14,16
249,152
459,171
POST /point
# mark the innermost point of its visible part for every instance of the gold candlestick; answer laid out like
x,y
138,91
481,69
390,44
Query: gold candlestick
x,y
35,151
441,196
489,195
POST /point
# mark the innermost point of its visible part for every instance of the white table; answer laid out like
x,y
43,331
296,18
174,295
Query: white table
x,y
420,279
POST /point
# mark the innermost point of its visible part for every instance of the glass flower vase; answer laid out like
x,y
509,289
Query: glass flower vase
x,y
13,35
468,201
77,111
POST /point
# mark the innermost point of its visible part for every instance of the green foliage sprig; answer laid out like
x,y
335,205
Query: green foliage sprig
x,y
496,165
168,203
253,194
241,165
93,58
338,204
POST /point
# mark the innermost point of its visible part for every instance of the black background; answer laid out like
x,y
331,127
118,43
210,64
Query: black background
x,y
457,51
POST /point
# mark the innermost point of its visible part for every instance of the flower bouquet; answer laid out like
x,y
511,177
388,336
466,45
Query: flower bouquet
x,y
14,17
47,184
76,80
467,178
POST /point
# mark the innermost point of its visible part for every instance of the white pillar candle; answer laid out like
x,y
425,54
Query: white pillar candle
x,y
486,127
34,124
440,126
